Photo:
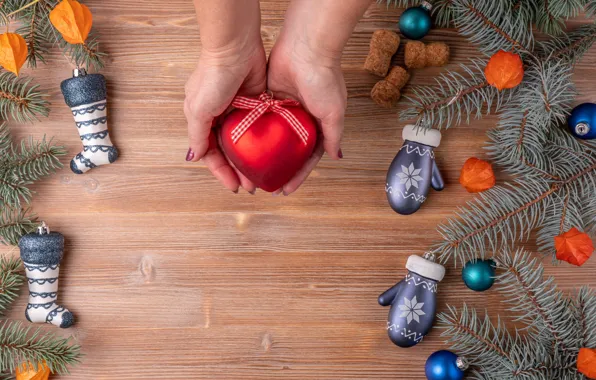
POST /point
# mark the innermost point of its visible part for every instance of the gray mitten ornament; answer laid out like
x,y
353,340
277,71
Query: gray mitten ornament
x,y
414,170
85,94
413,301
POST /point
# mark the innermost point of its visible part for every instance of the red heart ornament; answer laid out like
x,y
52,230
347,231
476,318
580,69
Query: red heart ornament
x,y
270,151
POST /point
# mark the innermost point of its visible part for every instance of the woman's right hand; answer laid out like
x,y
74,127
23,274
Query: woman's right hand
x,y
219,76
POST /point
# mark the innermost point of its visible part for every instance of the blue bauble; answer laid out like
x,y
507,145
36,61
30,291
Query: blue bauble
x,y
582,121
479,275
415,22
443,365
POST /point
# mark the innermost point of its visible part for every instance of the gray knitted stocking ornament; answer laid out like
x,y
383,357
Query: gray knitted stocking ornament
x,y
85,94
41,253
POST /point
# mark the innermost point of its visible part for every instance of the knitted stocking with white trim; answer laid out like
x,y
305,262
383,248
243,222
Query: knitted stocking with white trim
x,y
85,94
41,253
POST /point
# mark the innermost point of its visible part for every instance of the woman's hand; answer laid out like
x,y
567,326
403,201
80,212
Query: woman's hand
x,y
232,62
316,80
305,65
209,92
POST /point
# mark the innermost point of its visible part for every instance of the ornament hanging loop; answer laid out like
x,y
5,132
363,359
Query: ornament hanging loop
x,y
582,129
429,256
43,228
426,5
462,363
79,72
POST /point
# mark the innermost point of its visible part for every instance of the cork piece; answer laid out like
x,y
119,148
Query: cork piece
x,y
437,54
383,45
398,76
418,55
415,55
387,92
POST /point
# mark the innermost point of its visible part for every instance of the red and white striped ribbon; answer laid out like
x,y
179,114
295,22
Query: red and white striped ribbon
x,y
266,103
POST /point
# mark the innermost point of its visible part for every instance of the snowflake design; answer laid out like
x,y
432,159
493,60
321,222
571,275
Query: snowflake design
x,y
409,176
411,309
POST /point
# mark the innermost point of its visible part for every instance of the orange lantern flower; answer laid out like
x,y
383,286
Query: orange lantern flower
x,y
574,246
586,362
477,175
504,70
26,371
73,20
13,52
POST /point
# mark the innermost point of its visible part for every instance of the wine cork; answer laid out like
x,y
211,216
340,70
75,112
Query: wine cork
x,y
383,45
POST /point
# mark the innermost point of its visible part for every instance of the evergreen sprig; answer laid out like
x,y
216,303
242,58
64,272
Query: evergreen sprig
x,y
456,98
20,100
40,34
20,166
20,344
16,223
11,280
556,326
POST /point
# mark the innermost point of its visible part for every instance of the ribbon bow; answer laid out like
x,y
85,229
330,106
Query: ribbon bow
x,y
266,103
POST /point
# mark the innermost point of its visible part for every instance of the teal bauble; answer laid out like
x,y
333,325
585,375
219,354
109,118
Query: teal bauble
x,y
479,275
415,22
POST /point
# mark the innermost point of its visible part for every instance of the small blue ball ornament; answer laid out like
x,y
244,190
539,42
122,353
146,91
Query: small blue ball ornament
x,y
445,365
415,22
582,121
479,275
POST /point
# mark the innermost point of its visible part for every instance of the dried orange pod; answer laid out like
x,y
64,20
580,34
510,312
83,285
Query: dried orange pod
x,y
586,362
504,70
477,175
26,371
13,52
73,20
574,246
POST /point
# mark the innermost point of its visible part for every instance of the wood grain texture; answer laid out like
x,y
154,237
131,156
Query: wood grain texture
x,y
171,277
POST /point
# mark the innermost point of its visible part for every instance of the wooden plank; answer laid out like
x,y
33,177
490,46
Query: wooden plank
x,y
172,277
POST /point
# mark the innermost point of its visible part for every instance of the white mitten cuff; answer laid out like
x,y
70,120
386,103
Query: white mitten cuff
x,y
425,268
430,137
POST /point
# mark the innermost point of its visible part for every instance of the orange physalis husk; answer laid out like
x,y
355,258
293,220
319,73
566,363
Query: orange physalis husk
x,y
504,70
26,371
13,52
574,246
73,20
586,362
477,175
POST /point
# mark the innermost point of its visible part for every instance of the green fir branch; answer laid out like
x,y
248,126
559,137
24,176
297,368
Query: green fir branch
x,y
35,30
503,215
34,160
5,142
570,47
586,307
556,326
456,98
85,55
537,302
11,280
552,14
16,223
493,25
20,100
24,344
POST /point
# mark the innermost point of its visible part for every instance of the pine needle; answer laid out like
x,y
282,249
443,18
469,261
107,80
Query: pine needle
x,y
25,344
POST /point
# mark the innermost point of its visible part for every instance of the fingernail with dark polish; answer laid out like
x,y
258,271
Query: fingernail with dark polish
x,y
253,192
285,194
340,154
235,191
190,155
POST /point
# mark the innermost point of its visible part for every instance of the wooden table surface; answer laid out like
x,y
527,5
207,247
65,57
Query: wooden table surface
x,y
172,277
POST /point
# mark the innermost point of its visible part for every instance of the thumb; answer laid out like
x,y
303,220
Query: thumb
x,y
333,127
199,129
